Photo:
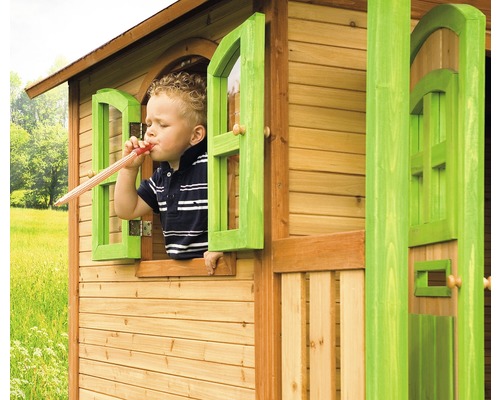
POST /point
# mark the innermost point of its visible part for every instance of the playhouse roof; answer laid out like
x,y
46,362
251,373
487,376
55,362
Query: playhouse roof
x,y
166,17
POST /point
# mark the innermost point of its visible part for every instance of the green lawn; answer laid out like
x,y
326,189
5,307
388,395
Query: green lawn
x,y
38,304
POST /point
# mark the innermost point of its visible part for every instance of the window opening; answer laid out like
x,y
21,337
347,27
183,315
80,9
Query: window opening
x,y
190,64
112,113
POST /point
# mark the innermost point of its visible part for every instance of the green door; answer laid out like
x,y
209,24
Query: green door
x,y
446,232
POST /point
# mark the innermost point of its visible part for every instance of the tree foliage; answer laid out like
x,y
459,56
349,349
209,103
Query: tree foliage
x,y
38,145
48,166
19,139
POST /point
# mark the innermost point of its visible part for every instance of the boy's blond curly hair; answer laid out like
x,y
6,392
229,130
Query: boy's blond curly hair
x,y
190,90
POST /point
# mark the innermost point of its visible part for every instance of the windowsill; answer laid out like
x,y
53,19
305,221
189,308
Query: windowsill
x,y
226,266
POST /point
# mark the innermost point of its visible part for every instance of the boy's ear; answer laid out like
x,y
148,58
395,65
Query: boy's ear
x,y
198,134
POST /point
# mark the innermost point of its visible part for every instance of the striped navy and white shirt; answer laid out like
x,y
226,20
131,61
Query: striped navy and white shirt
x,y
181,199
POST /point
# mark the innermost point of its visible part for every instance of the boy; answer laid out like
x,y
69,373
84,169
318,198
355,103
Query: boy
x,y
177,190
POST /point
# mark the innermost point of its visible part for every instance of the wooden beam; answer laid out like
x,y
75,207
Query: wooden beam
x,y
336,251
276,213
226,266
73,241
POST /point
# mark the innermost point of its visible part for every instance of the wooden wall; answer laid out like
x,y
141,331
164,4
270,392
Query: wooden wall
x,y
167,337
418,9
327,102
327,68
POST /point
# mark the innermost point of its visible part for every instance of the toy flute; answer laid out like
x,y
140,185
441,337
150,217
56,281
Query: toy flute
x,y
104,174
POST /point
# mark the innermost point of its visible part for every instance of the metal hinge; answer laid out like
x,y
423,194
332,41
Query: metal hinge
x,y
137,129
140,228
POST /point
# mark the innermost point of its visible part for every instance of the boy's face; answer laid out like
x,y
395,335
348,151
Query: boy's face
x,y
171,134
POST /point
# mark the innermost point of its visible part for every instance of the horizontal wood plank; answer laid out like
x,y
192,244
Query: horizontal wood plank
x,y
225,353
320,224
113,273
312,53
338,251
224,332
181,367
343,206
327,183
317,160
327,13
226,265
327,76
132,383
327,33
85,394
327,118
327,140
223,311
342,99
174,289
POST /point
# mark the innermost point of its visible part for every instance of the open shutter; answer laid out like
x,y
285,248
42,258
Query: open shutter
x,y
446,236
110,235
245,43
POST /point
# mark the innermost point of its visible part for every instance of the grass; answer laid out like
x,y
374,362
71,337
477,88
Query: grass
x,y
38,304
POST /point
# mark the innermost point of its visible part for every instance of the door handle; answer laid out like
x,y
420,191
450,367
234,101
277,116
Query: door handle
x,y
487,283
453,281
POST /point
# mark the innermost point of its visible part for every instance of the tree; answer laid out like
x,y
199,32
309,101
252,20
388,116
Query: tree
x,y
22,109
48,165
50,108
39,140
19,159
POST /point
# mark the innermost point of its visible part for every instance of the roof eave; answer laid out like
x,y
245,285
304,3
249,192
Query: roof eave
x,y
138,32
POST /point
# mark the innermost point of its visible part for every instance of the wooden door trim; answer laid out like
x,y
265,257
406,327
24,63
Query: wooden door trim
x,y
335,251
188,47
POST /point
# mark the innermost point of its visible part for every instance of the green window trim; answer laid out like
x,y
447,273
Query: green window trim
x,y
130,109
247,43
433,104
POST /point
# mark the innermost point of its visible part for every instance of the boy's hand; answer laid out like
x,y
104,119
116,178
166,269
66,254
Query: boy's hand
x,y
211,258
129,146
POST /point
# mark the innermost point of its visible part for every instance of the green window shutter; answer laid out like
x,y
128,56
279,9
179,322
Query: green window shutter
x,y
106,244
247,43
433,105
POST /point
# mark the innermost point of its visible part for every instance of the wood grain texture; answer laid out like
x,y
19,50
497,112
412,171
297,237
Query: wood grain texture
x,y
320,252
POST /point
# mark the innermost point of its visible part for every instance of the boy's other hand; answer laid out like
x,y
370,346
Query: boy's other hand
x,y
211,258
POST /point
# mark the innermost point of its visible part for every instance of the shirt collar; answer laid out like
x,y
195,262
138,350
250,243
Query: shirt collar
x,y
189,156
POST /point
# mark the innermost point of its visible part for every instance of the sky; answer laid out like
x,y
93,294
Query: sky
x,y
43,30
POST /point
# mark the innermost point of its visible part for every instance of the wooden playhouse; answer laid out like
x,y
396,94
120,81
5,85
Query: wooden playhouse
x,y
349,189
